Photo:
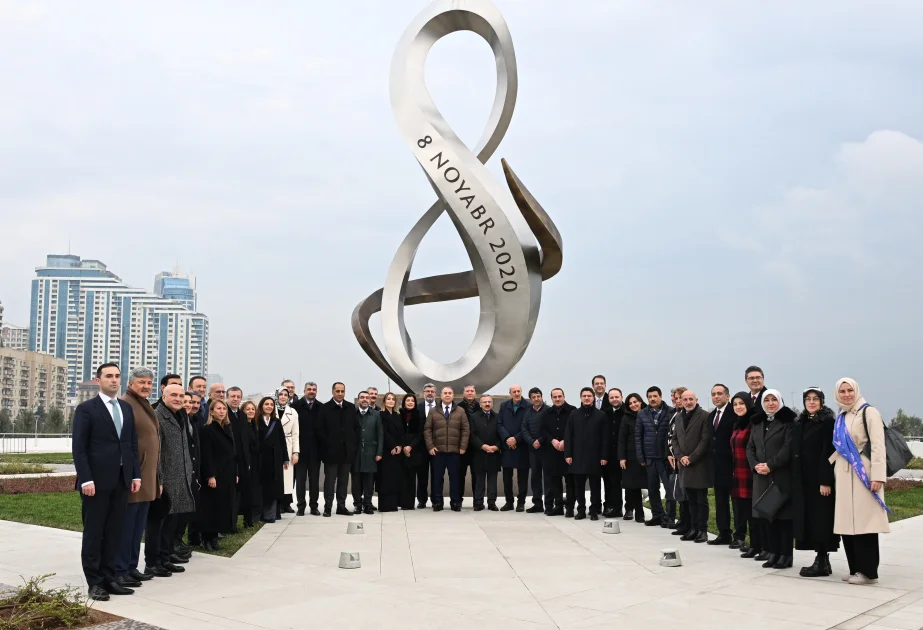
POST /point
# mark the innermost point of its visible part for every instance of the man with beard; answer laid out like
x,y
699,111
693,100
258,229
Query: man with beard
x,y
533,441
471,406
336,437
307,470
612,472
168,379
243,445
515,450
691,442
554,466
586,446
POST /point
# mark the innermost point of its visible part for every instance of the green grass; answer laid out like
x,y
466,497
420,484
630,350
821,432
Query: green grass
x,y
18,468
905,503
915,464
38,458
232,542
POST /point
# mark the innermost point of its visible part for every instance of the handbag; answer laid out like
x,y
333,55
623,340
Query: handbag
x,y
897,453
769,503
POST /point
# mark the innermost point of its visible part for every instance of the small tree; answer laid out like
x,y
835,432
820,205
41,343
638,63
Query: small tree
x,y
25,421
907,424
6,421
54,421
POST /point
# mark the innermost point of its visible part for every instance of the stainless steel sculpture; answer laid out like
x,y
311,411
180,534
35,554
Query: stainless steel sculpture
x,y
508,265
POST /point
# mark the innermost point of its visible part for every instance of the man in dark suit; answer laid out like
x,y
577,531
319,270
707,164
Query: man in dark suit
x,y
307,470
424,472
200,385
756,383
721,420
337,438
105,450
599,391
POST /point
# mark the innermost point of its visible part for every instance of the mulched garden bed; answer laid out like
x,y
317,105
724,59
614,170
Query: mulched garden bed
x,y
31,485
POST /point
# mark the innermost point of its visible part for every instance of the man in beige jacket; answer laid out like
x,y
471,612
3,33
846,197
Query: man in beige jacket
x,y
446,434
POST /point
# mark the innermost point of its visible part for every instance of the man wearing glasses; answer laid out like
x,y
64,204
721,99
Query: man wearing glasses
x,y
756,385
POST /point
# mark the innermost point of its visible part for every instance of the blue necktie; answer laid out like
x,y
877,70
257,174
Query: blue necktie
x,y
116,416
447,412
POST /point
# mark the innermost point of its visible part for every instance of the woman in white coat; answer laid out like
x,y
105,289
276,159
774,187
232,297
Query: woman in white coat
x,y
288,418
859,465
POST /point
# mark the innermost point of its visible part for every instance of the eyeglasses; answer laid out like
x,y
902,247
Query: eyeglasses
x,y
219,391
754,378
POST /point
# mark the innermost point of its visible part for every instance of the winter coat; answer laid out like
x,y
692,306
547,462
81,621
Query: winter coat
x,y
308,418
485,431
720,446
446,436
273,457
391,467
742,481
554,426
615,418
772,445
291,430
219,460
177,472
371,441
336,432
634,476
651,436
413,437
812,446
510,426
586,440
857,511
148,429
244,448
532,428
692,439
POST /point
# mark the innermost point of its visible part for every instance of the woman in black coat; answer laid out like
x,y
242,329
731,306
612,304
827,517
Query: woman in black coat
x,y
414,450
812,446
219,472
256,485
769,454
634,478
391,467
273,458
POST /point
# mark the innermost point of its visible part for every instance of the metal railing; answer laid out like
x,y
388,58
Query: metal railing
x,y
12,443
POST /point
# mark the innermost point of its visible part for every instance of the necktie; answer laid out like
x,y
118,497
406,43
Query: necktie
x,y
717,417
446,412
116,416
599,403
753,397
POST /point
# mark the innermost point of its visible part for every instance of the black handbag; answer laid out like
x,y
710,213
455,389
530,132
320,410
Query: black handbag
x,y
768,504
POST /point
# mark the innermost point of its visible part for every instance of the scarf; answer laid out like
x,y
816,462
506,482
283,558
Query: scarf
x,y
844,445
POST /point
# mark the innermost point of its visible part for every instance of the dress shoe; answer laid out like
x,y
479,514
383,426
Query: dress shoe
x,y
770,560
702,538
594,516
569,513
175,559
535,509
783,562
478,507
342,511
861,579
157,572
128,581
608,512
629,515
357,509
762,556
368,510
521,507
580,515
669,524
679,532
173,568
288,509
639,517
815,570
689,535
507,507
421,505
300,512
750,553
456,507
720,540
558,511
736,544
98,593
653,522
315,512
549,512
114,588
141,577
492,507
327,512
437,508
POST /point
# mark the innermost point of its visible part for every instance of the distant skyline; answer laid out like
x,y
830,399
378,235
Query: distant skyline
x,y
732,185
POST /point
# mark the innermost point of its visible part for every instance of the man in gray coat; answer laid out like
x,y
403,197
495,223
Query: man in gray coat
x,y
369,449
691,452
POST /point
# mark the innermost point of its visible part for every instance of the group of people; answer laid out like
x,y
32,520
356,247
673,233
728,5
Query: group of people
x,y
183,471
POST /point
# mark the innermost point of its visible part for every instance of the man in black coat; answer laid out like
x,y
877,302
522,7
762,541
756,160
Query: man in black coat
x,y
612,472
586,446
424,471
722,420
600,397
554,466
533,441
307,470
756,383
105,451
337,436
471,406
485,444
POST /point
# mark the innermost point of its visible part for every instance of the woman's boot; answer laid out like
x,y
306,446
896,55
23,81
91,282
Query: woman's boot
x,y
816,569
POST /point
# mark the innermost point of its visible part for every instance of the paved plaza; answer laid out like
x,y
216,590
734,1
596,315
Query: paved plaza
x,y
489,570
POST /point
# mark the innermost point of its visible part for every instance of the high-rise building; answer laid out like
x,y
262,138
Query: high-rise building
x,y
31,381
172,285
14,337
85,314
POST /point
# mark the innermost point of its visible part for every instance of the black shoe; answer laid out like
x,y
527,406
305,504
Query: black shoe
x,y
507,507
98,593
492,507
702,538
629,515
670,524
342,511
421,505
763,556
608,512
653,522
114,588
617,512
521,506
327,512
594,516
182,549
816,569
689,535
175,559
639,517
157,571
679,531
128,581
750,553
558,511
783,562
828,570
535,509
300,512
141,577
437,508
288,510
173,568
771,559
368,510
736,544
315,512
456,507
549,512
478,507
569,513
580,515
357,509
721,540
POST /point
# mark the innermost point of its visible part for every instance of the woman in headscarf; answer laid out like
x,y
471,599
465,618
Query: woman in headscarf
x,y
273,459
742,488
860,472
288,416
633,476
769,453
413,450
391,466
812,491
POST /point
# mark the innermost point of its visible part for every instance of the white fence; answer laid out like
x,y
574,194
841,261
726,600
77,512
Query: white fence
x,y
29,443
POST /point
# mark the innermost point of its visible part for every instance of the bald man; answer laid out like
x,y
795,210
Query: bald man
x,y
691,452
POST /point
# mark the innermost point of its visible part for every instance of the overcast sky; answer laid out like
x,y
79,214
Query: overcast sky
x,y
735,182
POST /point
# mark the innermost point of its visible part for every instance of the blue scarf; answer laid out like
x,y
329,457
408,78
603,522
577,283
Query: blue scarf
x,y
844,445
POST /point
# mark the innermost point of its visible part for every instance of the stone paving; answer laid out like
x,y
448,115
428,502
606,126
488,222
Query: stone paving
x,y
490,570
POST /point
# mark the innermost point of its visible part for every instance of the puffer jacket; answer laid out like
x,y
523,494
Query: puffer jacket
x,y
446,436
651,441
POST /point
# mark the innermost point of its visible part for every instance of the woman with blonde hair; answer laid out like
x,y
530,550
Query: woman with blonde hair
x,y
860,473
391,467
219,471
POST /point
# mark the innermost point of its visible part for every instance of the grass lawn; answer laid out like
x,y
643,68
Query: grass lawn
x,y
38,458
20,468
915,464
62,510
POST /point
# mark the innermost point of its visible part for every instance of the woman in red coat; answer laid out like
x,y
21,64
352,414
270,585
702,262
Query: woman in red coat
x,y
742,490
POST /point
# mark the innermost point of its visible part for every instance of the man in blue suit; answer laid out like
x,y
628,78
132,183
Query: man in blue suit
x,y
105,449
